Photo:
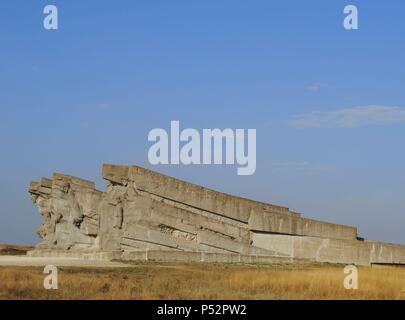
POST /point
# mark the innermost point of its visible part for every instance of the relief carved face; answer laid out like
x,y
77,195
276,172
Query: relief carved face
x,y
43,205
115,192
109,186
66,188
34,198
60,190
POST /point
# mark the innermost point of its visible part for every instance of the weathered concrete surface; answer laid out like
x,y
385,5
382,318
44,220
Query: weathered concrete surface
x,y
259,216
184,256
144,212
21,261
332,250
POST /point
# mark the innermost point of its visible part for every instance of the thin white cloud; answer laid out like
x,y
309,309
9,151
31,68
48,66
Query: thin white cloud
x,y
350,118
317,86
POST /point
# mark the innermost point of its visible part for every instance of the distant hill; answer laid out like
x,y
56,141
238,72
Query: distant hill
x,y
13,250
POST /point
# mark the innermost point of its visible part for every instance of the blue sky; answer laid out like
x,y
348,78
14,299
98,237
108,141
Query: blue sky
x,y
328,104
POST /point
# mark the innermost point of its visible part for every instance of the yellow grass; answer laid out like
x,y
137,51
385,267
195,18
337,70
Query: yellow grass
x,y
201,281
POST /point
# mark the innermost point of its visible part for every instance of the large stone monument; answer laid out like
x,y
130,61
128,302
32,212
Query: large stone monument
x,y
145,215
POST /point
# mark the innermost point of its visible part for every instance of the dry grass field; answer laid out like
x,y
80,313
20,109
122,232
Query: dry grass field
x,y
203,281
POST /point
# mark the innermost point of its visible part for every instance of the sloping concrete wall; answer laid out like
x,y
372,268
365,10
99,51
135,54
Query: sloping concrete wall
x,y
289,224
259,216
331,250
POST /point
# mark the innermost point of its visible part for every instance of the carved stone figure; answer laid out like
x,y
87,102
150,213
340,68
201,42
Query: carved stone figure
x,y
69,206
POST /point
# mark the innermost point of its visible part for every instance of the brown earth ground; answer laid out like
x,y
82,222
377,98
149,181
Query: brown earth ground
x,y
172,281
13,250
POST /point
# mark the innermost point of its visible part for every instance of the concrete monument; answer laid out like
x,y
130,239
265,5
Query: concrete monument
x,y
145,215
